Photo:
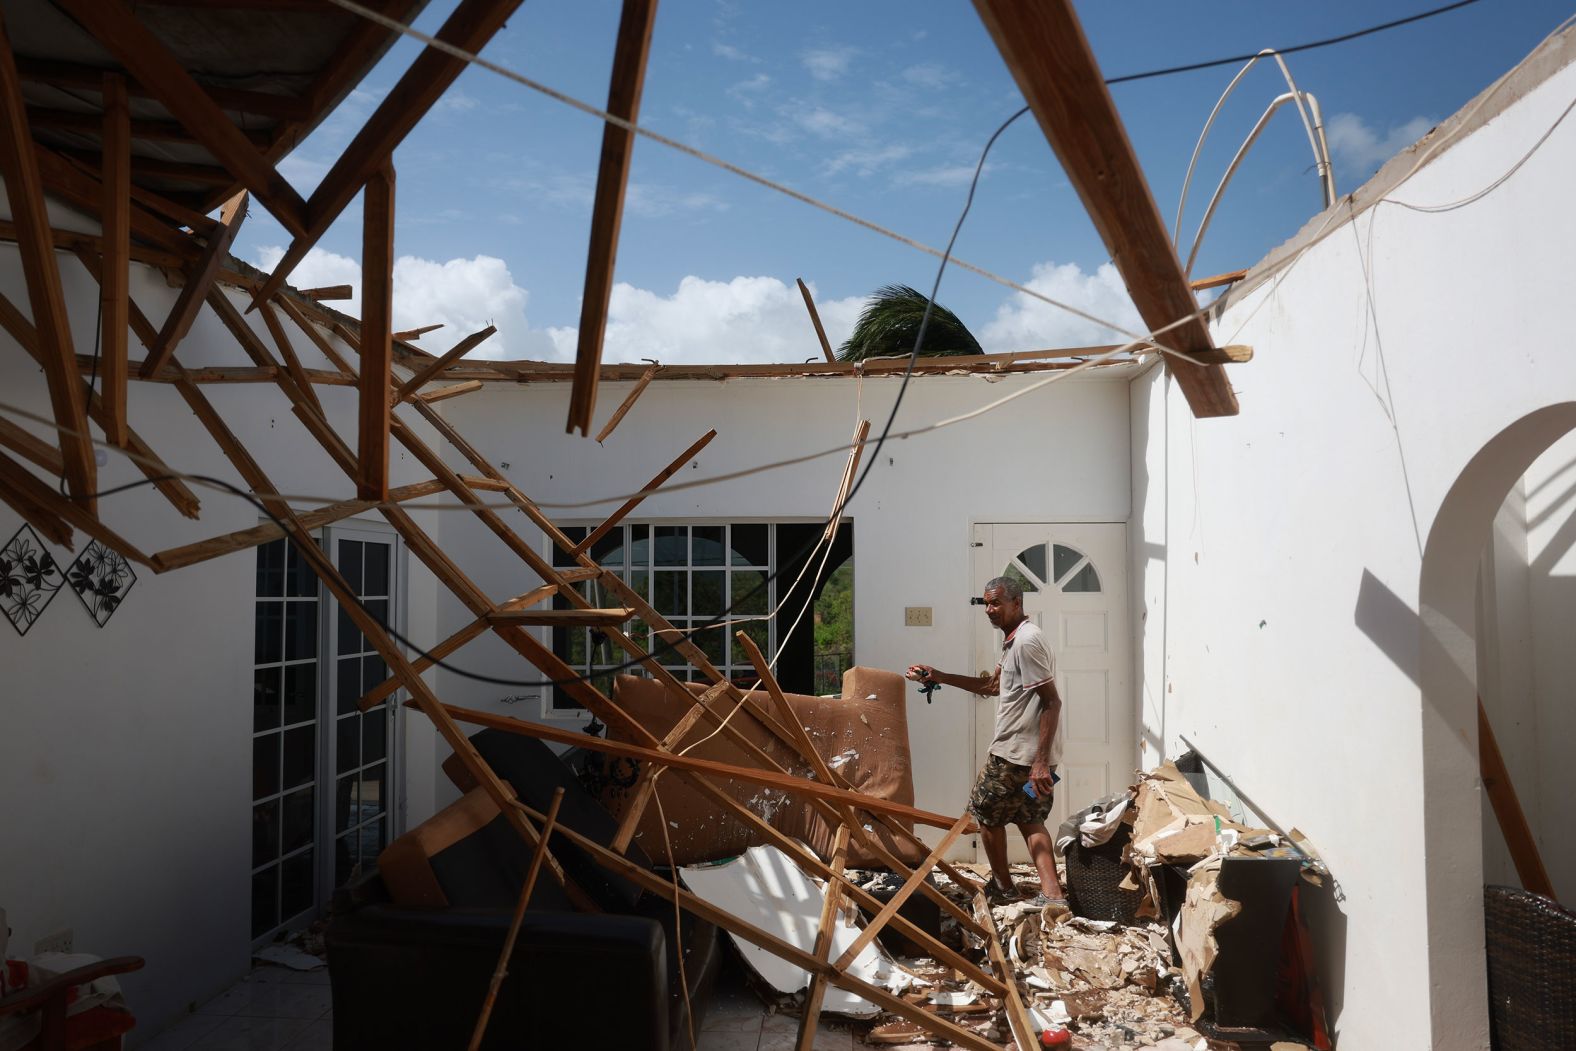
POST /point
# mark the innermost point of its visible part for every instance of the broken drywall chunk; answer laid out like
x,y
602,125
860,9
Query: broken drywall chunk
x,y
765,888
1204,909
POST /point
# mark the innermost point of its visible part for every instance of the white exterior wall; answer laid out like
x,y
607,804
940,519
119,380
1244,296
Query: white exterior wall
x,y
1308,567
125,752
911,519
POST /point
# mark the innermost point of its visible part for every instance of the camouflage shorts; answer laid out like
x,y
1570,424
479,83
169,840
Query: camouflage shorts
x,y
999,800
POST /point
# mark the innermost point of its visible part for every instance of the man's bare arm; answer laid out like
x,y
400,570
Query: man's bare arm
x,y
1050,718
981,684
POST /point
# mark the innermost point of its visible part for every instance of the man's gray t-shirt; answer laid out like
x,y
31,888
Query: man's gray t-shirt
x,y
1025,665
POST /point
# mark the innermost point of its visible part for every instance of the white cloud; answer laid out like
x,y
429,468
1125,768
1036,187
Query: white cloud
x,y
866,161
745,90
455,101
828,63
1025,323
943,175
731,53
930,75
1360,149
747,319
827,124
464,295
654,200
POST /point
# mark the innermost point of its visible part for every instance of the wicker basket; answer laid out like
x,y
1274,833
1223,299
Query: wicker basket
x,y
1531,944
1093,878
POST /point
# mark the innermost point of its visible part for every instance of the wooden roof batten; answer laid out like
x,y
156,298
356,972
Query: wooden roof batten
x,y
1049,56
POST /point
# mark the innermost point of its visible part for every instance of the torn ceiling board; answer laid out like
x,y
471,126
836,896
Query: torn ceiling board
x,y
765,888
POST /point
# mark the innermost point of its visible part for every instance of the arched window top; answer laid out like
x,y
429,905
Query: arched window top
x,y
1070,570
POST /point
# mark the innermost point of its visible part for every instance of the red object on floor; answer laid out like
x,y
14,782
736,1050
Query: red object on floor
x,y
1056,1038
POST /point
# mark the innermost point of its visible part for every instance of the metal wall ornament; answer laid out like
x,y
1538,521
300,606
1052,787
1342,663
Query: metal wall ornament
x,y
101,578
29,579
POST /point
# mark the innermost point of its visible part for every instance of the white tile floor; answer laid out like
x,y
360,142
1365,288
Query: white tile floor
x,y
271,1009
277,1009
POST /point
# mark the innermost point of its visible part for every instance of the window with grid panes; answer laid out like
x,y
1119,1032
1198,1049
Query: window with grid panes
x,y
690,574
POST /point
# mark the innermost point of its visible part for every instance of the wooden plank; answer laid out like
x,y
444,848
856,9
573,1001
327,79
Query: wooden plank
x,y
453,390
607,211
815,319
808,1021
30,488
141,128
199,282
845,486
1018,1020
147,59
78,243
562,618
439,365
646,784
628,403
1216,280
287,351
469,28
324,346
25,190
242,539
1045,49
377,326
22,496
1501,792
325,292
115,279
650,487
411,334
75,186
882,918
31,447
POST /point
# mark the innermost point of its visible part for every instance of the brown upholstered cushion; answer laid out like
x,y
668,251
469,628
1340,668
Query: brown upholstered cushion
x,y
863,734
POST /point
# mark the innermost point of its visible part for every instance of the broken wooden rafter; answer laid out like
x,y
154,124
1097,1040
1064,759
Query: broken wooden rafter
x,y
846,485
75,186
1049,56
324,346
229,374
438,366
607,211
141,128
472,24
377,324
199,281
328,292
410,334
1216,280
146,58
18,480
809,1020
650,487
563,618
31,447
453,390
629,402
1018,1020
115,275
910,885
25,189
241,540
287,352
815,319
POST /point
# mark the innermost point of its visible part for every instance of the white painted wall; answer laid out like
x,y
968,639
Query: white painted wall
x,y
125,752
1308,568
911,519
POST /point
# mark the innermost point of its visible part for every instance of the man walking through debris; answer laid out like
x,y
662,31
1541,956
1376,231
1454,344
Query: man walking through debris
x,y
1015,785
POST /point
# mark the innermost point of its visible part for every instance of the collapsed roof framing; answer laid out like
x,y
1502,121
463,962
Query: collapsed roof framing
x,y
147,174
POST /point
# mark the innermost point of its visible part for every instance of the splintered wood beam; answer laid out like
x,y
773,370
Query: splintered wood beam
x,y
411,334
607,212
453,390
650,487
850,471
377,324
1215,281
815,319
115,279
199,281
19,489
292,363
32,492
628,403
469,28
25,189
29,446
241,540
431,371
1048,55
327,292
563,618
146,58
70,183
319,340
808,1021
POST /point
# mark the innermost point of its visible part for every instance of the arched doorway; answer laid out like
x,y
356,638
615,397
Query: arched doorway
x,y
1448,676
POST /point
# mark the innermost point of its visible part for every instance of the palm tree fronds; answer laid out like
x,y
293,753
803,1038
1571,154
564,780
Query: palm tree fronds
x,y
889,324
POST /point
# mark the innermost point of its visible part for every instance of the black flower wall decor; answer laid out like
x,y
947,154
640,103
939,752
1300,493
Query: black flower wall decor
x,y
101,578
29,579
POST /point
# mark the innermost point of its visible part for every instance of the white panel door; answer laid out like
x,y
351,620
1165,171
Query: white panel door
x,y
1075,588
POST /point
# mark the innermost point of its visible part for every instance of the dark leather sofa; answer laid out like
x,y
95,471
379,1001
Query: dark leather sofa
x,y
416,977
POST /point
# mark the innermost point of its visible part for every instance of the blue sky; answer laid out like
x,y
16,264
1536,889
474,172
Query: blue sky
x,y
881,108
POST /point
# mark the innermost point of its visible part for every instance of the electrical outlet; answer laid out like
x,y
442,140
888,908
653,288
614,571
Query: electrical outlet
x,y
916,616
60,941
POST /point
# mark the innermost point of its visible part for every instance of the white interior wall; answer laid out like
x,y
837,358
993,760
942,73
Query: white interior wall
x,y
911,519
1310,647
125,752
